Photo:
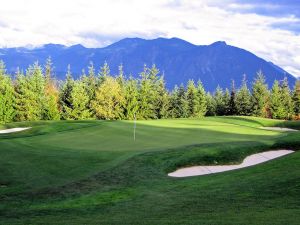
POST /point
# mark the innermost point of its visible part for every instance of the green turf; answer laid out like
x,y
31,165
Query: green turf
x,y
92,172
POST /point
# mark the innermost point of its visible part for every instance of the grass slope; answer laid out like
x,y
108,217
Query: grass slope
x,y
92,172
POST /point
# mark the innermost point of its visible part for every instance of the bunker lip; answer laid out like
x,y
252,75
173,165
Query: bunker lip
x,y
278,128
13,130
248,161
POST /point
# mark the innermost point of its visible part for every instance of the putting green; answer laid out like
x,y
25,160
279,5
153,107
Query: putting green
x,y
91,172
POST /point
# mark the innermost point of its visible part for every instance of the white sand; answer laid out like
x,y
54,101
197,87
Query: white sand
x,y
248,161
12,130
278,128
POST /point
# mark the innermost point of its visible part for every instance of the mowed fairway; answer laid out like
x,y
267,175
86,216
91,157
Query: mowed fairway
x,y
93,172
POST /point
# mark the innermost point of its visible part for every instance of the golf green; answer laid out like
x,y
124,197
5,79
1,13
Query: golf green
x,y
94,172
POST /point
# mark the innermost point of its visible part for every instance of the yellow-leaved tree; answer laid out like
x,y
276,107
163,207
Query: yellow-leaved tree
x,y
109,98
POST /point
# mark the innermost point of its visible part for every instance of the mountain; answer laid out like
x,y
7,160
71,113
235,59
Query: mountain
x,y
179,60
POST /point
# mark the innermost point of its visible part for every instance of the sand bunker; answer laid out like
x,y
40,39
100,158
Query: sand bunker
x,y
12,130
278,128
248,161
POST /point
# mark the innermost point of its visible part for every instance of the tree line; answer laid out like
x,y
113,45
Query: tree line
x,y
36,95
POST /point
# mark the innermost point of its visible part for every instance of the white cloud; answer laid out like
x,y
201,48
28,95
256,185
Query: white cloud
x,y
96,23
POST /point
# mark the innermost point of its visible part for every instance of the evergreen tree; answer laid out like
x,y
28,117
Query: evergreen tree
x,y
65,95
243,100
48,70
147,93
219,102
108,100
226,102
232,102
296,99
103,73
287,100
131,104
276,104
183,102
211,105
122,82
201,108
121,76
260,96
179,105
157,86
79,100
163,100
23,99
193,99
174,103
281,101
90,84
7,98
36,81
30,94
91,81
51,108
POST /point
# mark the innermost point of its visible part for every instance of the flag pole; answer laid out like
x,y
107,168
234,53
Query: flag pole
x,y
134,127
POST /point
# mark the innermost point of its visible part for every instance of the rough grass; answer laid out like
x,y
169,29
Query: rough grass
x,y
92,172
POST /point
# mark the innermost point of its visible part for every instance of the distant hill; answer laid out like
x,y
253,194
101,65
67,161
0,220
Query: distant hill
x,y
215,64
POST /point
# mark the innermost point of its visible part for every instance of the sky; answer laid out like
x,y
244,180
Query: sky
x,y
269,28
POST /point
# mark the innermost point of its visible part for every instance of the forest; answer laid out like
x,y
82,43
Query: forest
x,y
36,95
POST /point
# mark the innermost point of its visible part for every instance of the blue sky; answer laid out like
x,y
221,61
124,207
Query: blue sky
x,y
277,8
270,29
270,8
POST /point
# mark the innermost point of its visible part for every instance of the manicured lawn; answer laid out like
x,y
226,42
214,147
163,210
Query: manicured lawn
x,y
92,172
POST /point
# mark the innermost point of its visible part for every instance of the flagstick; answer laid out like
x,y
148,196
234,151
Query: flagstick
x,y
134,126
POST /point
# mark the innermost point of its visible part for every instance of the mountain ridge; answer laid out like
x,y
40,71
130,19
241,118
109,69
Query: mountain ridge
x,y
214,64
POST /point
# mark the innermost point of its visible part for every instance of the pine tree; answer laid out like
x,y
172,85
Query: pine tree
x,y
36,81
232,102
178,103
219,102
193,99
121,76
30,94
174,103
90,84
243,100
79,100
65,94
296,99
91,81
131,104
156,87
163,100
23,99
286,98
50,109
7,97
108,100
48,70
211,105
260,96
147,95
122,82
201,107
103,73
276,104
183,102
226,102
